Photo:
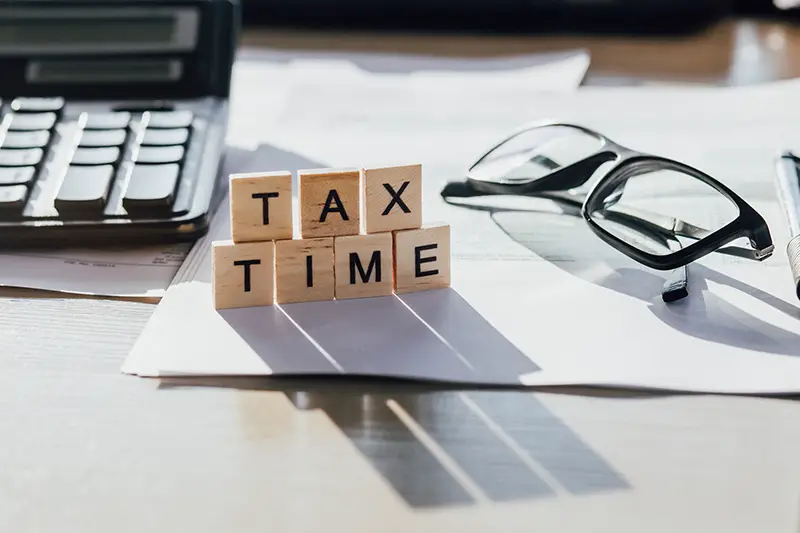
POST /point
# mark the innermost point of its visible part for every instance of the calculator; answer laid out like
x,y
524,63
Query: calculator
x,y
113,118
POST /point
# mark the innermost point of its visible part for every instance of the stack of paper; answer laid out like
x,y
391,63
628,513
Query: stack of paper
x,y
536,298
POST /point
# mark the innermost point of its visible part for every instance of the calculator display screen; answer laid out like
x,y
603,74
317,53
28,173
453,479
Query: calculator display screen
x,y
116,70
39,31
99,30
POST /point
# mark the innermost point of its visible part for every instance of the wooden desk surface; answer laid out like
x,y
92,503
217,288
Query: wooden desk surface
x,y
85,449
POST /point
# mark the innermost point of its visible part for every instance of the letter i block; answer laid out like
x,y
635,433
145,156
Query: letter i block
x,y
392,198
422,258
363,265
304,270
261,206
243,274
330,202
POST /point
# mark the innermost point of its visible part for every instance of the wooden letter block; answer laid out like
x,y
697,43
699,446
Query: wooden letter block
x,y
363,265
330,202
392,198
304,270
422,258
261,206
243,274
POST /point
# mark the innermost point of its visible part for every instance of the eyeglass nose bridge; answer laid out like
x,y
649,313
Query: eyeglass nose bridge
x,y
578,173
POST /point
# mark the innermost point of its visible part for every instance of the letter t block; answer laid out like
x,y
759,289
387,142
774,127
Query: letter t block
x,y
243,274
422,258
261,206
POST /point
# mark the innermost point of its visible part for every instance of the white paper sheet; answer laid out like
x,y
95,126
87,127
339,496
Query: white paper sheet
x,y
143,272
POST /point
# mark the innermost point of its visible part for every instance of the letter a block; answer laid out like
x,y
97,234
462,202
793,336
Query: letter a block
x,y
392,198
363,265
243,274
422,258
261,206
304,270
330,202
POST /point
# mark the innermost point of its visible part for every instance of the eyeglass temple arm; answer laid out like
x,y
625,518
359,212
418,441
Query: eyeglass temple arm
x,y
676,285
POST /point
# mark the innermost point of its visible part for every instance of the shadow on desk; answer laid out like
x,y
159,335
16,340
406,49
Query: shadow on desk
x,y
443,446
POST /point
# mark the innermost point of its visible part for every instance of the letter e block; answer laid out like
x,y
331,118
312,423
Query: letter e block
x,y
392,198
243,274
330,202
304,270
422,258
363,265
261,206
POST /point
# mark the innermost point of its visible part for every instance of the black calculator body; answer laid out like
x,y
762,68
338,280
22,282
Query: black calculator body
x,y
113,119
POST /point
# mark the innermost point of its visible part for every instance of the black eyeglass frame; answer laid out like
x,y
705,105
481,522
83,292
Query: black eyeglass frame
x,y
748,224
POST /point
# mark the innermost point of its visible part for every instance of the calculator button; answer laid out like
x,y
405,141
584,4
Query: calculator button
x,y
16,176
95,156
13,198
37,105
170,119
20,158
159,154
165,137
108,121
33,121
103,138
151,187
26,139
84,190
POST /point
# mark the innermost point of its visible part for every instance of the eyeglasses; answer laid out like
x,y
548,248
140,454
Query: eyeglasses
x,y
640,205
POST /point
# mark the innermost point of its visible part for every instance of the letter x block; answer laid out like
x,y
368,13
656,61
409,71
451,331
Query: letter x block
x,y
392,198
330,202
261,206
243,274
422,258
363,265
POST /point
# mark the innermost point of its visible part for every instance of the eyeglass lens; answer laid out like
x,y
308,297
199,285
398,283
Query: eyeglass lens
x,y
653,192
535,153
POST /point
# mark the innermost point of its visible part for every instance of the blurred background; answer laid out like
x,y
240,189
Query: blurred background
x,y
631,42
525,16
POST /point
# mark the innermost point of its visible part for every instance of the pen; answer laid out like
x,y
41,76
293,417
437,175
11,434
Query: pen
x,y
788,185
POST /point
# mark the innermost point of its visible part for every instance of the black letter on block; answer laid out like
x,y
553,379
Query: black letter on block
x,y
265,196
246,264
309,272
374,262
396,198
333,196
418,260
